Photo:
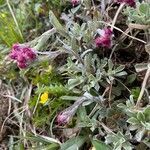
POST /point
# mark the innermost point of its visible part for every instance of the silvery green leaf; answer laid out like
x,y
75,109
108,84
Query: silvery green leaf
x,y
75,82
140,116
146,141
70,98
133,121
140,134
54,21
144,8
110,138
103,62
121,105
100,145
74,143
127,146
120,68
108,80
116,91
49,139
74,45
123,73
147,126
86,103
118,144
87,63
74,10
87,4
82,114
131,78
110,64
147,113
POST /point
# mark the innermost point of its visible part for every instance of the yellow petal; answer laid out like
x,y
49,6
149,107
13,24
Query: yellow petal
x,y
44,98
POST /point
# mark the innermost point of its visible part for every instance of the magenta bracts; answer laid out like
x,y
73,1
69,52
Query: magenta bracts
x,y
128,2
75,2
22,54
105,38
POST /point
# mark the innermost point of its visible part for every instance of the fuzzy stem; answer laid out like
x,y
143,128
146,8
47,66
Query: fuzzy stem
x,y
143,86
116,15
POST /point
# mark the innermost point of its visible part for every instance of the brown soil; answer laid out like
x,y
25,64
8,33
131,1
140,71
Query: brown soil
x,y
4,107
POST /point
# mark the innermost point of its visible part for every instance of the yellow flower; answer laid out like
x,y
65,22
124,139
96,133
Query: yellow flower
x,y
44,98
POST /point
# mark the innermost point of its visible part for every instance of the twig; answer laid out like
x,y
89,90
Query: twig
x,y
110,91
108,130
123,32
143,86
11,117
9,101
113,49
116,15
27,98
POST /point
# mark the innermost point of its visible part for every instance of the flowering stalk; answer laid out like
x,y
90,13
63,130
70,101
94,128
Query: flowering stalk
x,y
65,116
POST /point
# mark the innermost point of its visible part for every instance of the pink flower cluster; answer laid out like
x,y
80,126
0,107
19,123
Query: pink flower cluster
x,y
22,54
105,38
128,2
75,2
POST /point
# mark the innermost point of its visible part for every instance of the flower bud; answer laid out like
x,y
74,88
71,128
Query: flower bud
x,y
63,118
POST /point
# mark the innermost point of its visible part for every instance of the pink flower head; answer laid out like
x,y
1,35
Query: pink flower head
x,y
75,2
22,65
105,38
63,118
128,2
30,55
21,59
22,54
108,32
